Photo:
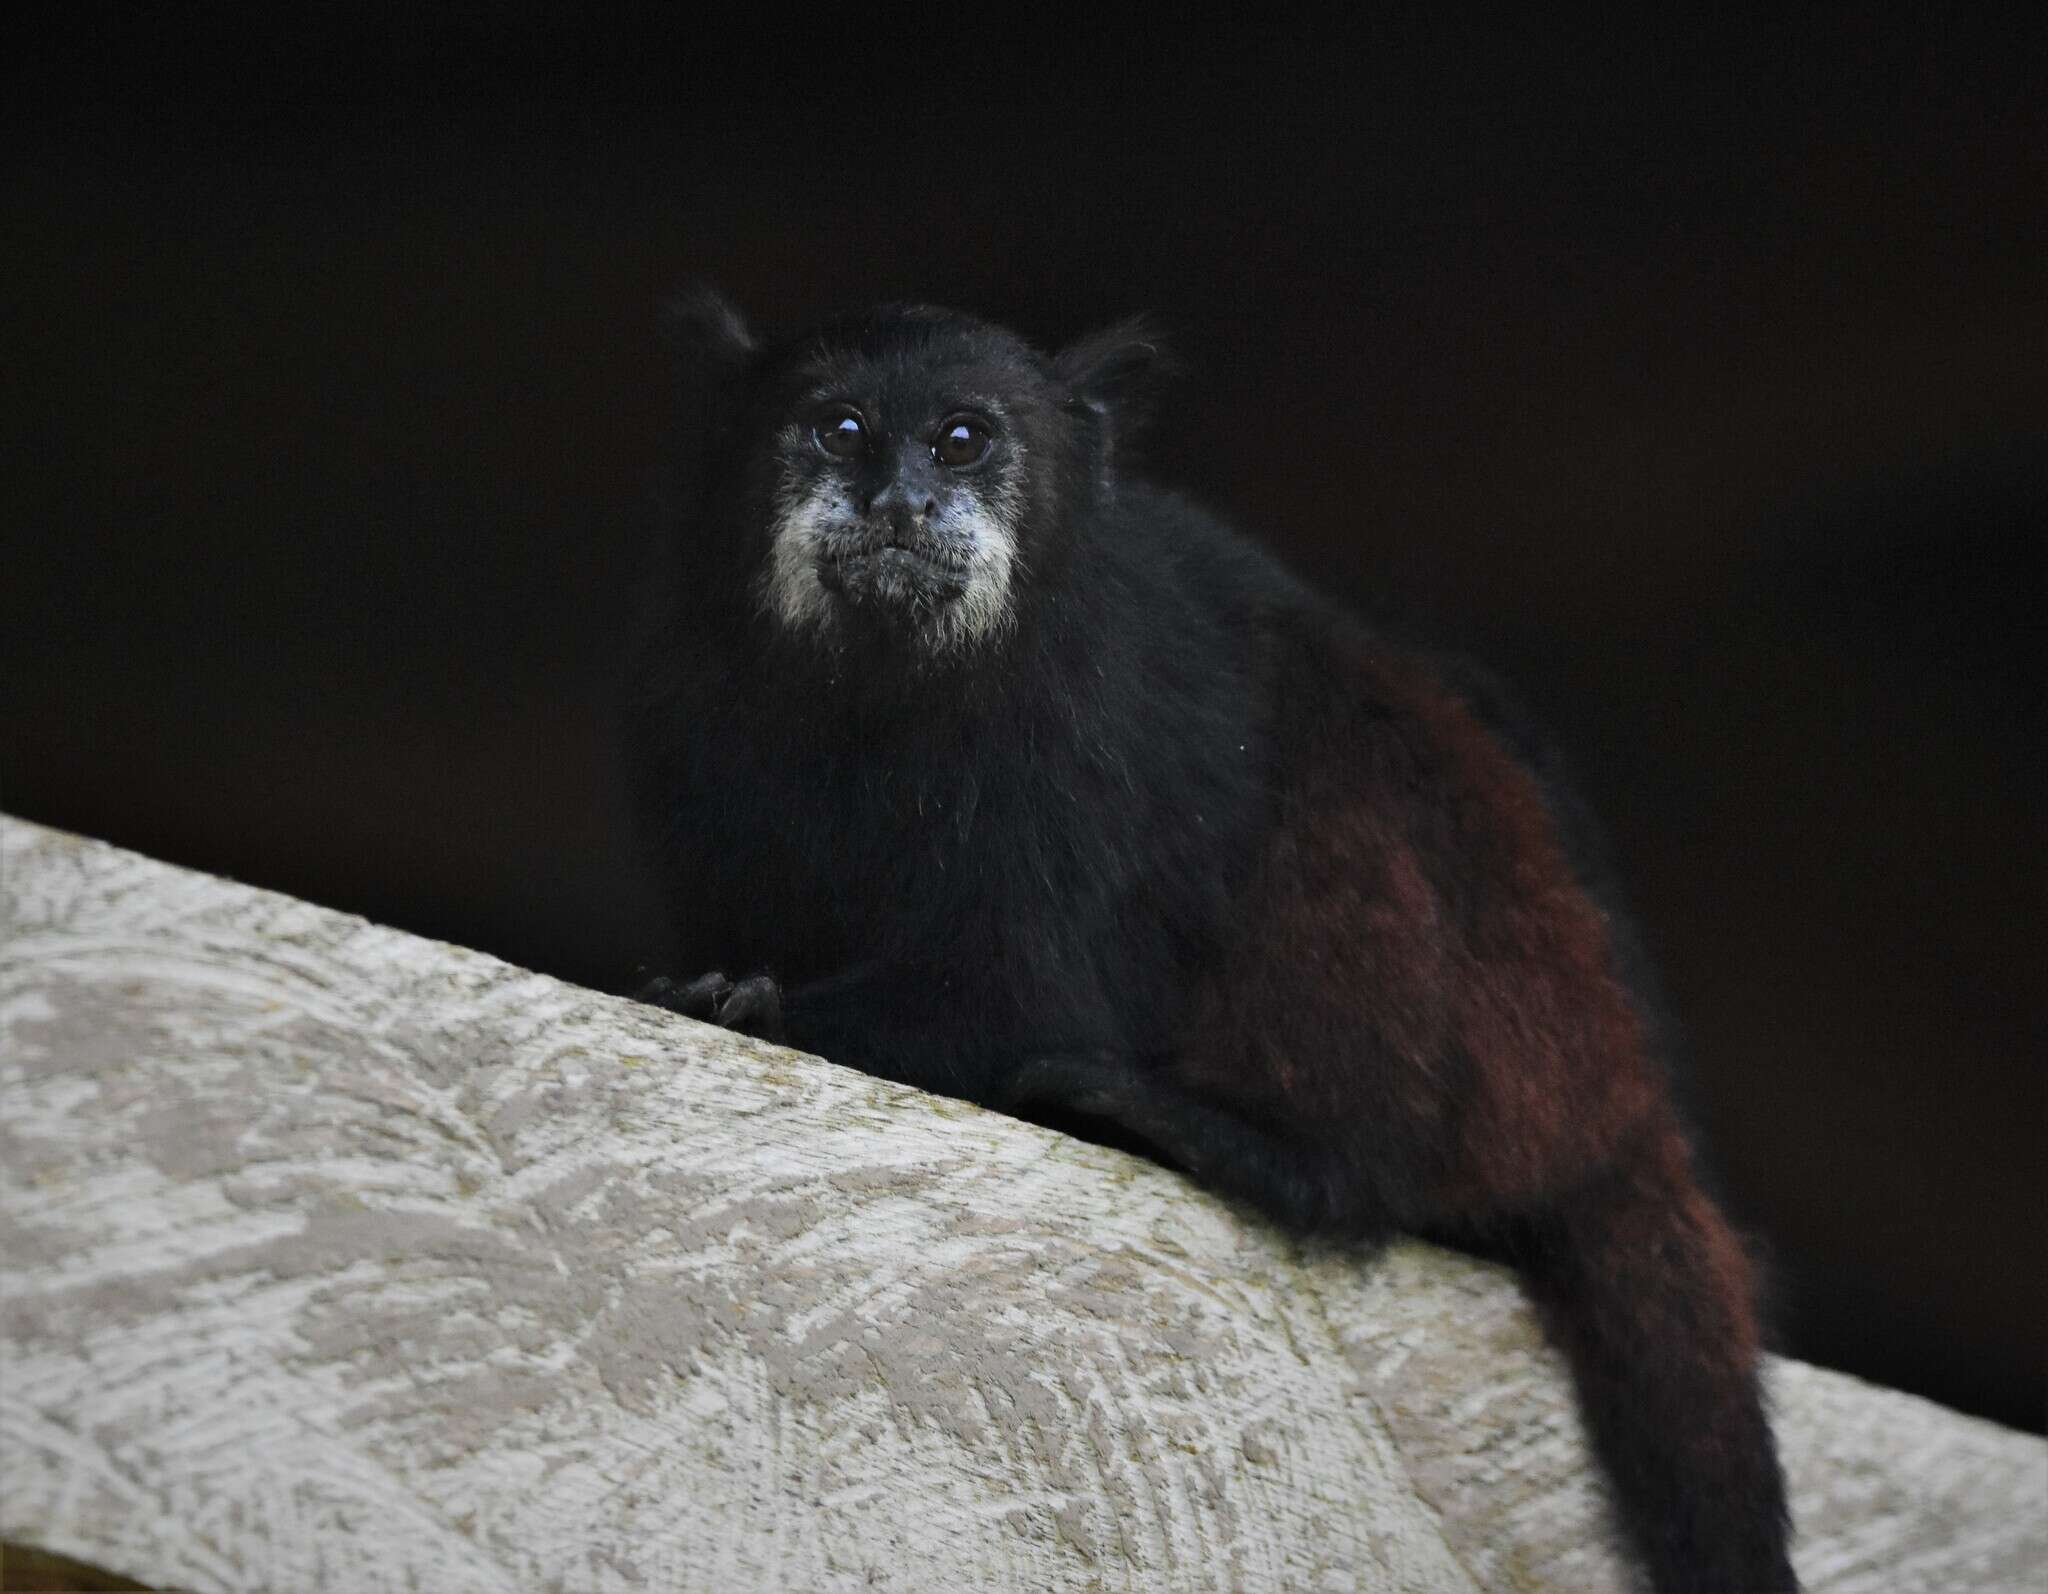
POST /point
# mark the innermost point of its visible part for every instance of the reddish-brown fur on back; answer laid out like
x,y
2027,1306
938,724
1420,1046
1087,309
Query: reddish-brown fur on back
x,y
1425,1001
1418,946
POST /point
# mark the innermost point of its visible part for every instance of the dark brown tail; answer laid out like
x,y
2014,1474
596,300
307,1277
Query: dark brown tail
x,y
1648,1293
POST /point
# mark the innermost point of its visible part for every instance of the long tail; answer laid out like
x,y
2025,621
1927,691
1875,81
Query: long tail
x,y
1650,1296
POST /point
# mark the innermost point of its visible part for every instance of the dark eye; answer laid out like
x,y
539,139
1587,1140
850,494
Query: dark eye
x,y
961,441
840,434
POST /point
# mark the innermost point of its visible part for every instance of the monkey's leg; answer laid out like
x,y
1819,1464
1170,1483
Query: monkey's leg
x,y
1297,1186
1648,1293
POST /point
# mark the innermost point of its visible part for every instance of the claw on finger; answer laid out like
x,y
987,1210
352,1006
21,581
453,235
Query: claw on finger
x,y
753,1007
698,999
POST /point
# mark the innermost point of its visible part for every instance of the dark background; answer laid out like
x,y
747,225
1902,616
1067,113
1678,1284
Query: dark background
x,y
1696,381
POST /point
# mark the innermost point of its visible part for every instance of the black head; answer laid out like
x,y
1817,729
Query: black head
x,y
904,472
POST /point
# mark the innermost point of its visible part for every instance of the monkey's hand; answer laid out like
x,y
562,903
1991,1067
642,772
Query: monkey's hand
x,y
752,1006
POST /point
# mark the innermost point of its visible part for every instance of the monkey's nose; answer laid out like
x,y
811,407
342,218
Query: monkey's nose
x,y
900,522
896,506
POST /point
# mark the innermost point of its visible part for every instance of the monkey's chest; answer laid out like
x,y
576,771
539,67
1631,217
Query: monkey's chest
x,y
1045,874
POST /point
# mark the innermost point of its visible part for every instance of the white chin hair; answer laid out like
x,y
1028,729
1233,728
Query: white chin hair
x,y
792,595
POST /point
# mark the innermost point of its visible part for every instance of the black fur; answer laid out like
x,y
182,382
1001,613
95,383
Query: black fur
x,y
1180,847
951,865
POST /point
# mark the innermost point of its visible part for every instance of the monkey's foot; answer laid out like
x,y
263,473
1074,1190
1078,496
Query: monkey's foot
x,y
1101,1084
752,1006
1299,1184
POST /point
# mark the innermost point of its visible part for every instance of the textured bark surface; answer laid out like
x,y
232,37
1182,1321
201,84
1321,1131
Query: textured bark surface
x,y
336,1259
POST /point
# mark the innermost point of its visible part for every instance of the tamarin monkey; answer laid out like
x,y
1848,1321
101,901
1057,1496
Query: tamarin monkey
x,y
988,766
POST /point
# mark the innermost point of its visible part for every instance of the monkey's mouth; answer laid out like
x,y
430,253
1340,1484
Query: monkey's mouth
x,y
893,573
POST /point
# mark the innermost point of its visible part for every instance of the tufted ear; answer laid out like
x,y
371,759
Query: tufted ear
x,y
710,351
707,335
1114,373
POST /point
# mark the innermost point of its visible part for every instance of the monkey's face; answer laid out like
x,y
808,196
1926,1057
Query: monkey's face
x,y
898,494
